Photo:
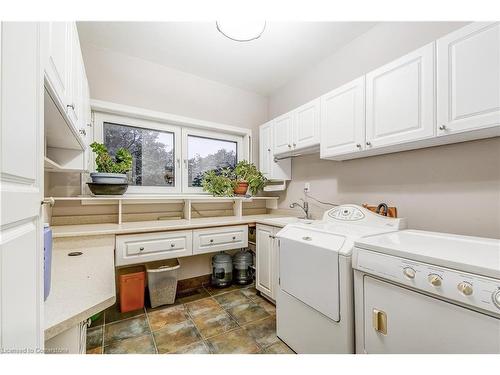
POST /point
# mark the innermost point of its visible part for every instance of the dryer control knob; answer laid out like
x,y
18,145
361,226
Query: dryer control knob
x,y
434,279
409,272
496,298
465,288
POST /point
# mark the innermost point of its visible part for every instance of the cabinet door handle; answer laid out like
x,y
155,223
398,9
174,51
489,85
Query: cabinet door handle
x,y
141,249
294,144
368,143
72,106
442,127
268,150
289,146
358,145
82,132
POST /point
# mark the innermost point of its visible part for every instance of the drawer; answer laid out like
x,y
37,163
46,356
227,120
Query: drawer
x,y
219,239
141,248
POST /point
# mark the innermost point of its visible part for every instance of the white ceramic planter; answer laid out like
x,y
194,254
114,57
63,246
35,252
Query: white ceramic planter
x,y
108,178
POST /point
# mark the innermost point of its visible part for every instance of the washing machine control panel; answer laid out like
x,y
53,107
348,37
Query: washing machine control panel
x,y
465,288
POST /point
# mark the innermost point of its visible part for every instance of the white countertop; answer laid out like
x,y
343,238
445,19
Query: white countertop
x,y
164,225
81,286
475,255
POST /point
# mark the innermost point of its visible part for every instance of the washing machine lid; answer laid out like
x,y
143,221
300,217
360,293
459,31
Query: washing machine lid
x,y
309,267
475,255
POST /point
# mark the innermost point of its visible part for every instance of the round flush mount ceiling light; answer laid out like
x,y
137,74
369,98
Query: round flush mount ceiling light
x,y
241,31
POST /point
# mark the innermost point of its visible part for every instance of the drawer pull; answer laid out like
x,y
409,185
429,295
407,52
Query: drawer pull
x,y
234,237
141,249
211,241
172,245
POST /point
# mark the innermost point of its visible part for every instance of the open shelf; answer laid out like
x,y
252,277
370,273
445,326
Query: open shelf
x,y
271,202
52,166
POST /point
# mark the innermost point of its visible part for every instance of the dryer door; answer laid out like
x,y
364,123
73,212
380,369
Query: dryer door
x,y
309,268
398,320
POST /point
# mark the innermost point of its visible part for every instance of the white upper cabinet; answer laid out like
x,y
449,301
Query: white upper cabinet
x,y
265,148
343,119
298,129
306,125
59,60
400,100
279,170
468,78
283,133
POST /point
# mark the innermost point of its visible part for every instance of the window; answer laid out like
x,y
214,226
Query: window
x,y
207,150
158,149
152,151
205,154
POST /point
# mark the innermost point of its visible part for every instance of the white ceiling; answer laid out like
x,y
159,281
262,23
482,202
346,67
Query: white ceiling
x,y
285,49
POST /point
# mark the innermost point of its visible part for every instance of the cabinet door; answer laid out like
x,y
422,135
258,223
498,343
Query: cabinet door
x,y
468,78
306,125
264,257
282,134
58,60
400,100
74,107
275,264
265,156
343,119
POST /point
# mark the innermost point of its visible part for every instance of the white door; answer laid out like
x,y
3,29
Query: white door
x,y
343,119
58,60
264,257
468,78
418,324
21,186
306,125
265,139
282,134
400,100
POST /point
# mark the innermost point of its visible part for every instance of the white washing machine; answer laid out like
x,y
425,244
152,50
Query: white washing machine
x,y
424,292
314,302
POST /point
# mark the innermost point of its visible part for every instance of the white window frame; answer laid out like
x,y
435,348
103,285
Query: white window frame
x,y
181,132
206,134
101,118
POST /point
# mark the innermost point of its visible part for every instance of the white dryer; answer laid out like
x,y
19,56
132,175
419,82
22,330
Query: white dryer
x,y
314,302
425,292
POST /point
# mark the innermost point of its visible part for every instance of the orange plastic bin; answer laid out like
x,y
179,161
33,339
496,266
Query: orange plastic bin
x,y
132,287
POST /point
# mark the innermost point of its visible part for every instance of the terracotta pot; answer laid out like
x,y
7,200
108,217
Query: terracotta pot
x,y
241,188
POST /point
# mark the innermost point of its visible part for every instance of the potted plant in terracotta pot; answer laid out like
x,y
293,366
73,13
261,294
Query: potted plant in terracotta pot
x,y
248,178
110,170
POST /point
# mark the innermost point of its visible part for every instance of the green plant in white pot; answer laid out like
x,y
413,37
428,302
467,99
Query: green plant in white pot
x,y
110,170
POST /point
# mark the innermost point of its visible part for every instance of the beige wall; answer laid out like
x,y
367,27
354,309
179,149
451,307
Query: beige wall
x,y
132,81
454,188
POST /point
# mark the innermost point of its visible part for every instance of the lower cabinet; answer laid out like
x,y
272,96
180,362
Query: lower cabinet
x,y
267,260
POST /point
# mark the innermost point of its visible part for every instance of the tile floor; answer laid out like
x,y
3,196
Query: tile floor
x,y
207,321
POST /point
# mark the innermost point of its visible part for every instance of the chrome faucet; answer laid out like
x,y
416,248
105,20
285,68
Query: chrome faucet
x,y
304,206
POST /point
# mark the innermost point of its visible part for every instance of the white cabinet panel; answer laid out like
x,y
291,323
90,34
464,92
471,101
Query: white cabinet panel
x,y
282,133
468,78
264,259
280,170
265,148
343,119
400,100
306,125
59,59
